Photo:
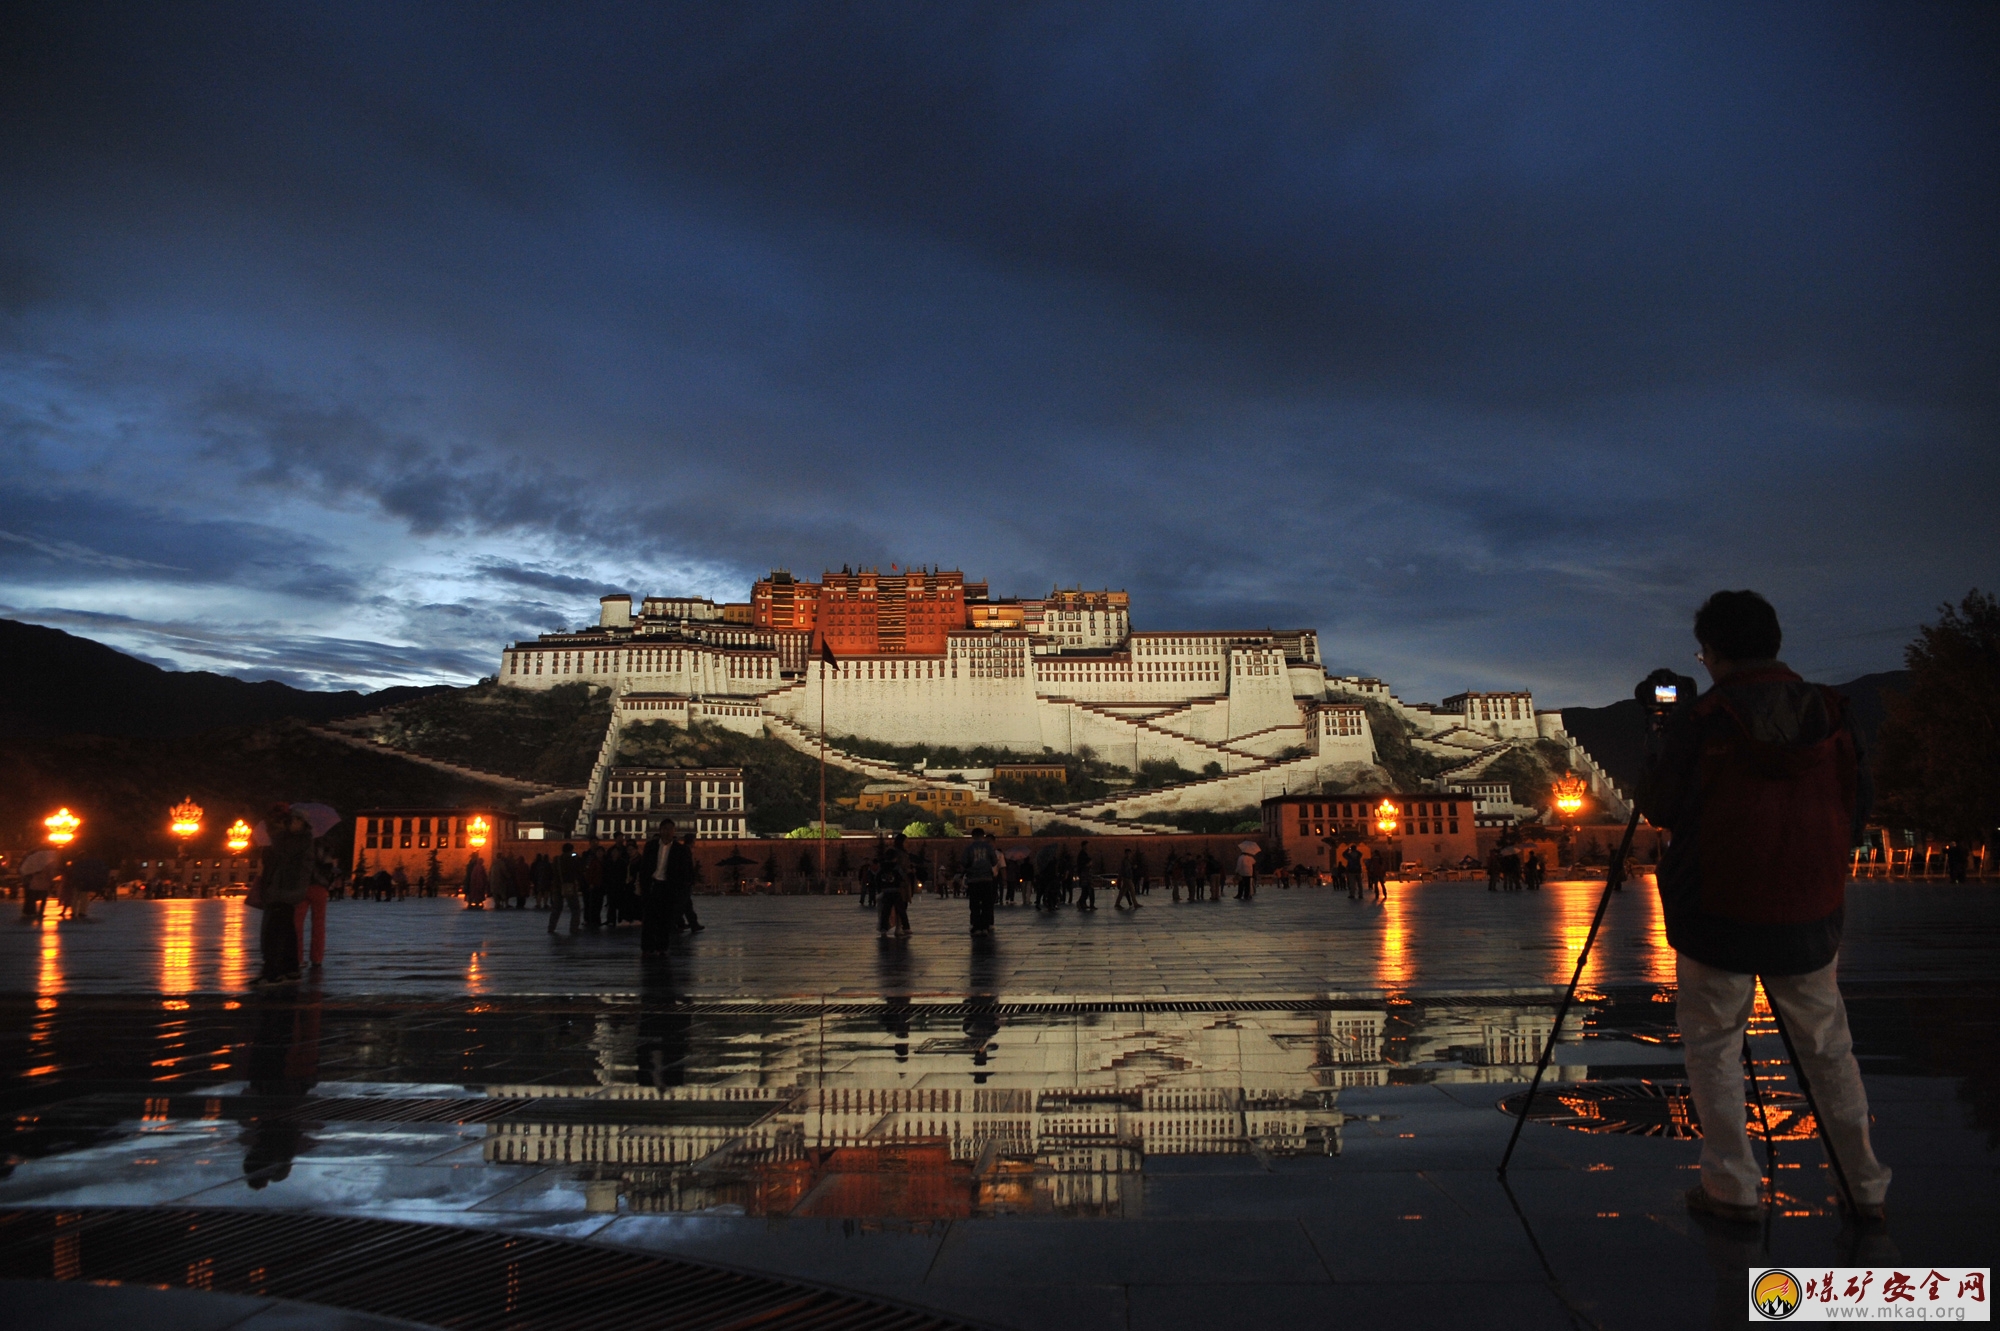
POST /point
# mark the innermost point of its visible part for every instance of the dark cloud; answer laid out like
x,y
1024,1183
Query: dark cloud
x,y
1485,340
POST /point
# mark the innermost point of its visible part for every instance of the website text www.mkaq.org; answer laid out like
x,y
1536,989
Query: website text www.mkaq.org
x,y
1895,1314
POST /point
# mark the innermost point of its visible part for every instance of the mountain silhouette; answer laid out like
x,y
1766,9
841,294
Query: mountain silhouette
x,y
54,683
1615,735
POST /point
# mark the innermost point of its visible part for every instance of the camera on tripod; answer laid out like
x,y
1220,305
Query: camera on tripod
x,y
1660,693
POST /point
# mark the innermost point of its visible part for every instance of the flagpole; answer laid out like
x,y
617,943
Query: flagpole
x,y
823,884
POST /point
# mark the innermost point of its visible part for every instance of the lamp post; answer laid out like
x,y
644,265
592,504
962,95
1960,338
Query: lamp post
x,y
186,825
237,839
186,820
1386,819
62,825
1569,792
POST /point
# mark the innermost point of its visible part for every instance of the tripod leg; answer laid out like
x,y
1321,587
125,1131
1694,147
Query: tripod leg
x,y
1770,1146
1805,1088
1611,877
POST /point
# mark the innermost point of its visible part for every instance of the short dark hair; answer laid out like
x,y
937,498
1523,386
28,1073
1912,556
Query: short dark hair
x,y
1738,626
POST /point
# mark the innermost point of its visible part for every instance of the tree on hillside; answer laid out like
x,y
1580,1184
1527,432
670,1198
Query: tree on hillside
x,y
1938,769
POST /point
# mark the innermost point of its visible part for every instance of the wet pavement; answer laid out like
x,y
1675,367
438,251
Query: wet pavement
x,y
1198,1114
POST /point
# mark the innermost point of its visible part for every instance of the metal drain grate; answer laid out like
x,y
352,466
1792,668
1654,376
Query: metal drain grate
x,y
434,1274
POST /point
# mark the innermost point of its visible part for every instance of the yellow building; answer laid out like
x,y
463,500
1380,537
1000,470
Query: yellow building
x,y
961,805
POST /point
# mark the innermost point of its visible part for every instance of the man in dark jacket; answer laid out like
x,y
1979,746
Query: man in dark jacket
x,y
1761,783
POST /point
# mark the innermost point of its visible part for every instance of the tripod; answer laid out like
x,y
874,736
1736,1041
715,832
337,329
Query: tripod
x,y
1612,878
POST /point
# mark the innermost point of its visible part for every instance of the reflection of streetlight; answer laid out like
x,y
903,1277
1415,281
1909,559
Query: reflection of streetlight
x,y
238,837
476,830
186,820
1385,817
62,825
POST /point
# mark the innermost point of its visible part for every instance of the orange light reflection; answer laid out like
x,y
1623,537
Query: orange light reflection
x,y
50,980
235,964
177,946
1392,965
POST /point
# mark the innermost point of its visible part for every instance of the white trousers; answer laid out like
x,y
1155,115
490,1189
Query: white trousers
x,y
1713,1008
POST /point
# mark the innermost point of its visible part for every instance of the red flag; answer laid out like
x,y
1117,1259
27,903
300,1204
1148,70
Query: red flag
x,y
826,653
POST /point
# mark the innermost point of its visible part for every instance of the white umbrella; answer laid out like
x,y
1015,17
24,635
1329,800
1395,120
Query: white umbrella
x,y
323,817
1248,847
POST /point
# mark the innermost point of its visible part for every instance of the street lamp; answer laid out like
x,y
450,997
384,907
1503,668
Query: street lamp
x,y
186,820
62,825
476,830
1385,817
237,837
1569,793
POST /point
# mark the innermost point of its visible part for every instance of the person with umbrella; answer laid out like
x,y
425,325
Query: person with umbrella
x,y
282,886
38,882
734,862
1246,870
321,819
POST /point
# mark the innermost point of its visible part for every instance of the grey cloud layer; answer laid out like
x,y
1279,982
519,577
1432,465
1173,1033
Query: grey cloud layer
x,y
1485,341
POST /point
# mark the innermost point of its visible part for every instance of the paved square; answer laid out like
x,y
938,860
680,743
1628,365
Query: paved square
x,y
1196,1113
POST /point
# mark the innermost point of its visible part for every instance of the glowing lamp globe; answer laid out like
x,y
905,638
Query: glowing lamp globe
x,y
1385,818
1569,793
475,832
62,825
238,837
186,819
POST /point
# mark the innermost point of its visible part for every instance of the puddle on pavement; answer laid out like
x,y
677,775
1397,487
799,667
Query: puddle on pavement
x,y
906,1110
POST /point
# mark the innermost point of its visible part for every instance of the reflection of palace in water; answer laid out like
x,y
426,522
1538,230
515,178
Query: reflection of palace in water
x,y
932,1111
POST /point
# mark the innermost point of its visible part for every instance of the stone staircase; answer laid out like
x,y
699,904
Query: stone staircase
x,y
534,790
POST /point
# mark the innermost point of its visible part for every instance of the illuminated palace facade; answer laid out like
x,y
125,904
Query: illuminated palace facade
x,y
928,657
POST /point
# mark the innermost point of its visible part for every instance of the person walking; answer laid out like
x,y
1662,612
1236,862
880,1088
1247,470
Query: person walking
x,y
476,882
83,878
655,898
682,872
38,883
892,882
617,882
312,945
1763,785
283,882
542,878
1128,881
504,888
567,888
1086,884
1246,875
981,867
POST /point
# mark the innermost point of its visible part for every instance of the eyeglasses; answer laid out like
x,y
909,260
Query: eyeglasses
x,y
1701,657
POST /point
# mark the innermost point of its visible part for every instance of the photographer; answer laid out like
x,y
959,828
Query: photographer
x,y
1761,783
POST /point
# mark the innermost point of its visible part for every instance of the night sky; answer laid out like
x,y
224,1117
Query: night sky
x,y
342,344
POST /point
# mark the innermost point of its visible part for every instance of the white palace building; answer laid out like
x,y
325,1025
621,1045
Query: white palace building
x,y
923,657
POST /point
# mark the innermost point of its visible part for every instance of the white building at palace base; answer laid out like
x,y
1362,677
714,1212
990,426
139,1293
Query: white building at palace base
x,y
1226,704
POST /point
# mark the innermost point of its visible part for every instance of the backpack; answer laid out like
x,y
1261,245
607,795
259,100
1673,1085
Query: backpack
x,y
1776,819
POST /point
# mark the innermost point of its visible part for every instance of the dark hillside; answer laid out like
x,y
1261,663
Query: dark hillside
x,y
1615,735
550,736
54,683
122,786
780,784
